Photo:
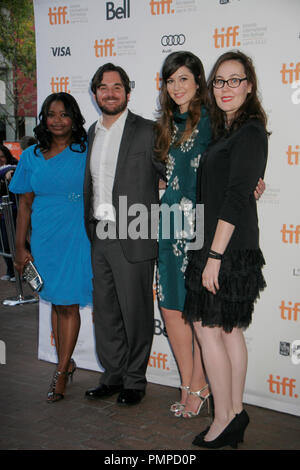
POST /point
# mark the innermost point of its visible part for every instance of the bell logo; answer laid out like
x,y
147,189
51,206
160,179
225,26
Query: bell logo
x,y
58,15
161,7
289,311
158,81
282,387
291,74
158,361
119,13
104,49
59,84
293,155
228,38
290,235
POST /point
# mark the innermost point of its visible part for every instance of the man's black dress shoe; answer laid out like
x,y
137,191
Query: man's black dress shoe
x,y
130,396
102,391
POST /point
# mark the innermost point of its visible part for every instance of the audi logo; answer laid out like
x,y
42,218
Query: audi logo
x,y
173,40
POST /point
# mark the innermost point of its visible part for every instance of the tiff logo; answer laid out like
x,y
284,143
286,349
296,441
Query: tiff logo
x,y
228,38
161,7
58,15
104,49
290,235
158,361
59,84
282,387
293,155
120,12
289,311
2,352
291,74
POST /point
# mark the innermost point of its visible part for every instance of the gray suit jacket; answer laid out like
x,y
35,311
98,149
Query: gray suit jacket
x,y
136,178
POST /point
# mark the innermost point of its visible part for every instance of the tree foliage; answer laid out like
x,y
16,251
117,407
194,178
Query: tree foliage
x,y
17,50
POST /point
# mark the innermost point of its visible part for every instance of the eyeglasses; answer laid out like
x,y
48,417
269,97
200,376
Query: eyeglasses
x,y
232,82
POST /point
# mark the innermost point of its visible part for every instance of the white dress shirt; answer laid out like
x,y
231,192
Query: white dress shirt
x,y
103,164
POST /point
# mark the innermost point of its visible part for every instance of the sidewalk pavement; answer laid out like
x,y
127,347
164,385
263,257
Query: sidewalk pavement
x,y
27,422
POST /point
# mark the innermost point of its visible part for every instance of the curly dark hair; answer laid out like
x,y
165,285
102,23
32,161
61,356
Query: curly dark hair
x,y
44,137
251,108
165,124
10,159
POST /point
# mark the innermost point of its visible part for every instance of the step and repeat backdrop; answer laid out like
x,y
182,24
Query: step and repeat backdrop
x,y
75,37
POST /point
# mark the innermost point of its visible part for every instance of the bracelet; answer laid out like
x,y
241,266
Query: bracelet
x,y
213,254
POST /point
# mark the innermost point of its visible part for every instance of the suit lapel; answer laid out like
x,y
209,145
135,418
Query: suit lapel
x,y
91,137
126,140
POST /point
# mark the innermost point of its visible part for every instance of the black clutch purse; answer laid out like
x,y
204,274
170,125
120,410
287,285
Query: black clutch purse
x,y
32,277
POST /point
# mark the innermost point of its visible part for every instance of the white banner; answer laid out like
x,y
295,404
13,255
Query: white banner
x,y
75,38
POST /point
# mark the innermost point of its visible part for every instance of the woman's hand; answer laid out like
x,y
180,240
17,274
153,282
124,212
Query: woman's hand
x,y
260,188
210,275
9,175
162,184
22,257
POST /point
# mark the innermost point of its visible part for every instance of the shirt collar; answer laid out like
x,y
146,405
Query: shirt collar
x,y
120,122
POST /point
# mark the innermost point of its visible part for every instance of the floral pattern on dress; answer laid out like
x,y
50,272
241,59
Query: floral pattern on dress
x,y
180,198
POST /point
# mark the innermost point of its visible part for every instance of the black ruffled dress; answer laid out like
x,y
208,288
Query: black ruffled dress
x,y
227,177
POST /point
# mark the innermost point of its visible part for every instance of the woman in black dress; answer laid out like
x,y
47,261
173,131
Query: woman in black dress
x,y
224,278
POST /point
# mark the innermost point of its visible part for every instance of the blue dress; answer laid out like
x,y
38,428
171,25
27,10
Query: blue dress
x,y
180,195
59,244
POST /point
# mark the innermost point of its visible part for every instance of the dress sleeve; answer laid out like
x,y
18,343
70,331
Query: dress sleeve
x,y
21,180
248,157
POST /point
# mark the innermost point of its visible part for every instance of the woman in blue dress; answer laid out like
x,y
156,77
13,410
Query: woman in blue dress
x,y
183,133
49,178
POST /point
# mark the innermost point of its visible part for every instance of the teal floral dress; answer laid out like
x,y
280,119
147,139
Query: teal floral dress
x,y
177,215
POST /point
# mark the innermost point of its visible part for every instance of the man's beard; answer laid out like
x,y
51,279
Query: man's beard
x,y
113,111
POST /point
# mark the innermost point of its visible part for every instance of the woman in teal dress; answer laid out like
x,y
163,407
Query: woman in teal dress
x,y
49,178
183,133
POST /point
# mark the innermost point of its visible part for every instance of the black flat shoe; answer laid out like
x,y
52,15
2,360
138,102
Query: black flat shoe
x,y
103,391
130,396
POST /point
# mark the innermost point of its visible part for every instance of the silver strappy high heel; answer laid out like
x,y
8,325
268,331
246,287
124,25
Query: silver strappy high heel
x,y
206,401
54,396
177,406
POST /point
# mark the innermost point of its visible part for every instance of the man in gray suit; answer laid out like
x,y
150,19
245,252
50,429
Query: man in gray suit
x,y
121,174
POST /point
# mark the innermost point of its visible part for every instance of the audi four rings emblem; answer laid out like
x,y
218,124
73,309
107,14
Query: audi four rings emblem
x,y
173,40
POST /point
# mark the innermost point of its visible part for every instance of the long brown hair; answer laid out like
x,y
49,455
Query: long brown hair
x,y
251,108
164,124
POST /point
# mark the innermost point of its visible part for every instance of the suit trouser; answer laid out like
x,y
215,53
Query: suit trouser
x,y
123,314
